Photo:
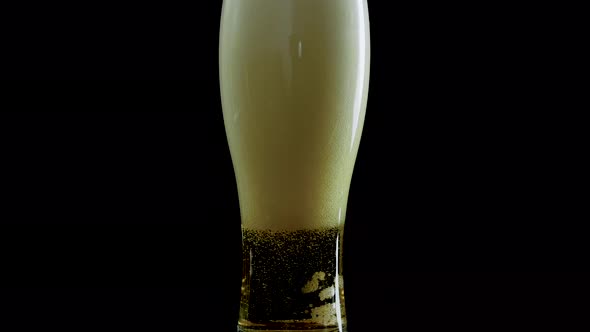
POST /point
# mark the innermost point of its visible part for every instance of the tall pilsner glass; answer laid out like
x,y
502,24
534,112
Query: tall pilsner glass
x,y
294,81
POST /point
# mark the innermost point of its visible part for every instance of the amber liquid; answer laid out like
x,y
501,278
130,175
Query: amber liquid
x,y
292,280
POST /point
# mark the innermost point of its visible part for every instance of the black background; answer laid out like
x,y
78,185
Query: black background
x,y
119,205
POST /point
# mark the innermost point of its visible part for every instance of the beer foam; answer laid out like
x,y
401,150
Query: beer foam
x,y
294,98
324,314
327,293
306,188
314,284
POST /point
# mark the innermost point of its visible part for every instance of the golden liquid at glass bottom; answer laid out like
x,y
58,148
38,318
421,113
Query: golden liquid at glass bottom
x,y
292,281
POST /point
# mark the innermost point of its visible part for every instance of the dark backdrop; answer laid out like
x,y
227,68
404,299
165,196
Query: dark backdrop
x,y
119,205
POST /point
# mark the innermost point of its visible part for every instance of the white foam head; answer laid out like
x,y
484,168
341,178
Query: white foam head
x,y
294,80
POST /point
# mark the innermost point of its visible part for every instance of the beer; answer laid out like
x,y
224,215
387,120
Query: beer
x,y
296,279
294,81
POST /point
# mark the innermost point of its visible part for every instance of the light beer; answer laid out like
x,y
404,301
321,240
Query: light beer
x,y
294,81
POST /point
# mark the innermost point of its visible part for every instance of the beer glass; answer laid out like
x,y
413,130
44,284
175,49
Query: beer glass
x,y
294,82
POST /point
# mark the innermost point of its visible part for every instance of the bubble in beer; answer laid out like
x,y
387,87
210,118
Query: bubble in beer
x,y
292,278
